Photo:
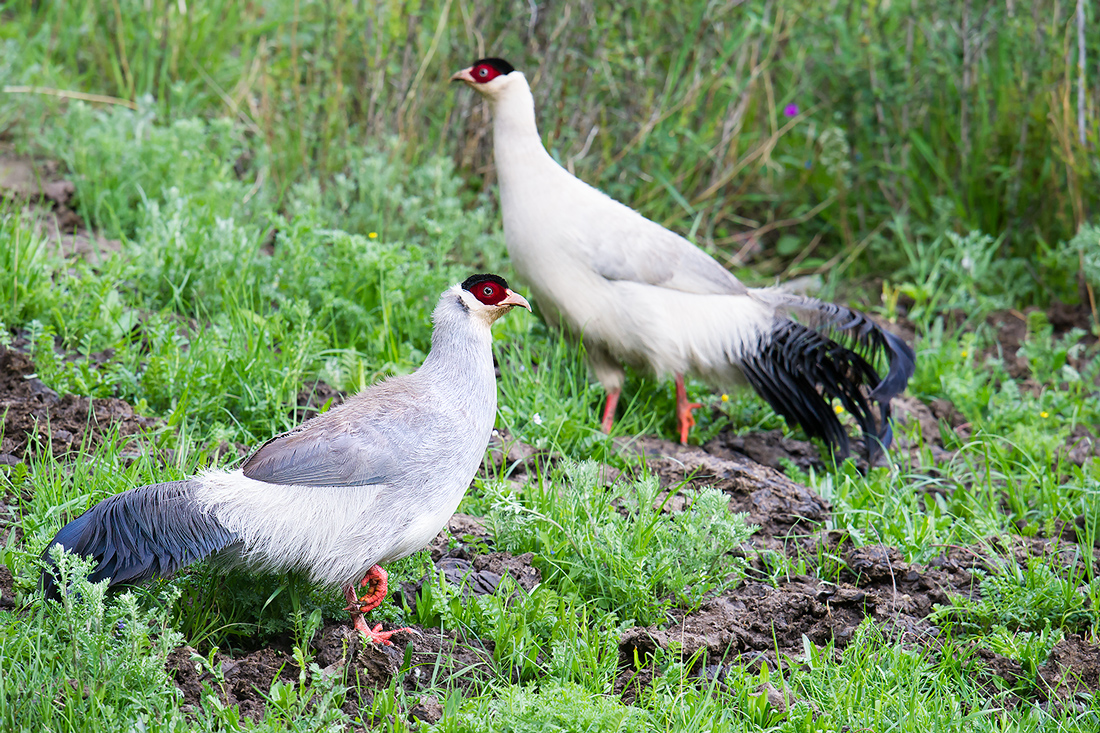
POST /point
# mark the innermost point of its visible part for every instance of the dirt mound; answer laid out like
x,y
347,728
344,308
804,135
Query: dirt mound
x,y
423,659
749,623
1011,329
1070,675
768,447
1061,553
433,656
34,412
758,623
39,182
1073,668
783,509
7,589
762,623
479,574
314,398
239,682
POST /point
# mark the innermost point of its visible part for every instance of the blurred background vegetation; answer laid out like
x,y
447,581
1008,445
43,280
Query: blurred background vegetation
x,y
802,136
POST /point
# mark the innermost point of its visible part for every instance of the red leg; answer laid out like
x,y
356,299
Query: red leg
x,y
609,409
684,418
358,606
377,577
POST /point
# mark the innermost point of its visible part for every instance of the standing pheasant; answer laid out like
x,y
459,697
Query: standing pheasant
x,y
366,483
639,294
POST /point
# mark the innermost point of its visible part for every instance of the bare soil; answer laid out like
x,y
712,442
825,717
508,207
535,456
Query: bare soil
x,y
33,414
785,512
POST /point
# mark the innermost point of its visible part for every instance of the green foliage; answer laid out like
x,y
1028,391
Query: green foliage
x,y
220,608
556,706
965,273
1030,648
191,259
121,158
618,545
24,270
297,185
540,634
546,398
88,658
1008,472
1086,245
1048,357
203,324
1032,598
705,116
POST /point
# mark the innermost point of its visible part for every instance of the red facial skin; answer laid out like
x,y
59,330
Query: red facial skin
x,y
483,73
489,292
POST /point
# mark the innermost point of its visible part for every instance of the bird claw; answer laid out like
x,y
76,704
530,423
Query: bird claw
x,y
358,608
377,579
377,635
686,419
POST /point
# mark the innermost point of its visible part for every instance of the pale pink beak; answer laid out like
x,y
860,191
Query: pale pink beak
x,y
464,75
514,298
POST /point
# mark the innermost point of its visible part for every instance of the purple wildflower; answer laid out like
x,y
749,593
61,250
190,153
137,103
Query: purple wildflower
x,y
791,110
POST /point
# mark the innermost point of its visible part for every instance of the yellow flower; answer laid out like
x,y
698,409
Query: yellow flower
x,y
838,409
373,235
965,353
725,398
1044,414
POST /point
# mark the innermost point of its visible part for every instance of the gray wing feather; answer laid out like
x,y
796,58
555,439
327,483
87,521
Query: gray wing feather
x,y
356,456
645,252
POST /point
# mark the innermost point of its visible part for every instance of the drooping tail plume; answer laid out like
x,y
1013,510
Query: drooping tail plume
x,y
799,369
146,532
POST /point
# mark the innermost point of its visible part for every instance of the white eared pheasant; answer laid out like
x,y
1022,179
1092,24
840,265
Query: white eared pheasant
x,y
639,294
368,482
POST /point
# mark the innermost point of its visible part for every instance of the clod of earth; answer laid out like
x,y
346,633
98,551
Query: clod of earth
x,y
7,589
34,413
478,575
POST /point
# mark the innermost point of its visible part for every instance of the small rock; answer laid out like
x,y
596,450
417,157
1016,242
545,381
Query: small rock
x,y
428,710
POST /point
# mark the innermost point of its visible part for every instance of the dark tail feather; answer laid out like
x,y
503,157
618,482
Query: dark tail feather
x,y
147,532
800,370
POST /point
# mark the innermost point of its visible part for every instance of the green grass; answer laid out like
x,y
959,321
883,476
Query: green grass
x,y
296,186
617,542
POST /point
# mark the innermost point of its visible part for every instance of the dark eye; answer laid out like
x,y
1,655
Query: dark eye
x,y
483,72
487,290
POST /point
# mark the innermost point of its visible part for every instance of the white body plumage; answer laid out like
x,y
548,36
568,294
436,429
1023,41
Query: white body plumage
x,y
639,294
446,408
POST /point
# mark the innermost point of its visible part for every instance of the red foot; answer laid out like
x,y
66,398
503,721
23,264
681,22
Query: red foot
x,y
376,635
379,580
684,418
609,410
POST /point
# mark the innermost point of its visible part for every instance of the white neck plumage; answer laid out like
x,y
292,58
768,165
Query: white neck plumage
x,y
516,142
459,337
